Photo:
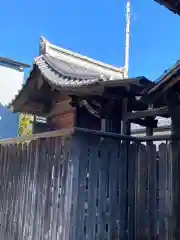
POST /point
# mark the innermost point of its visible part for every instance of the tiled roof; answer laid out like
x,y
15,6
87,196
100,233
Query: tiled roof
x,y
66,74
65,68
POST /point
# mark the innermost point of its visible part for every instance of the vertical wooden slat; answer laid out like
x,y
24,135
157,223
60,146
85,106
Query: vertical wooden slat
x,y
169,193
1,185
141,224
118,189
63,188
123,161
175,145
151,157
102,211
68,193
91,187
82,203
27,212
113,188
58,162
75,157
163,187
131,190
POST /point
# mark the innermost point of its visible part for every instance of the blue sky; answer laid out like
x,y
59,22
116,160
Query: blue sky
x,y
94,28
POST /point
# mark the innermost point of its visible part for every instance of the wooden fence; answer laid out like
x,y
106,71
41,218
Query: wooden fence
x,y
85,187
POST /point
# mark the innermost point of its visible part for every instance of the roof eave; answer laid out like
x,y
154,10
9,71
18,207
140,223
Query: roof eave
x,y
15,63
169,6
165,79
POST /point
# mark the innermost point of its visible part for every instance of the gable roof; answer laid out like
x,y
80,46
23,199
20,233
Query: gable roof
x,y
62,68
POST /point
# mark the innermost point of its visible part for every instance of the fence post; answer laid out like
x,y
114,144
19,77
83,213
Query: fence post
x,y
172,99
175,187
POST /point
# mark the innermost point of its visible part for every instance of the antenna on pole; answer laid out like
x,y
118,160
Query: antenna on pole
x,y
127,36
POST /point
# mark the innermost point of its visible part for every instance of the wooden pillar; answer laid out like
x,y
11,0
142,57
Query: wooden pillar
x,y
175,180
175,165
116,123
111,116
103,125
126,125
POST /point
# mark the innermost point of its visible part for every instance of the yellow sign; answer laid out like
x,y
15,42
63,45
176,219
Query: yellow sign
x,y
25,124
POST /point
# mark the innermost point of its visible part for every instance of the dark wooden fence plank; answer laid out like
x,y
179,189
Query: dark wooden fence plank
x,y
75,157
162,188
123,191
82,201
132,163
169,192
152,189
176,188
102,210
91,187
141,194
113,188
87,187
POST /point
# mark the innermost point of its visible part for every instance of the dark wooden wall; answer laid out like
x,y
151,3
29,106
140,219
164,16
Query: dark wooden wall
x,y
62,121
63,115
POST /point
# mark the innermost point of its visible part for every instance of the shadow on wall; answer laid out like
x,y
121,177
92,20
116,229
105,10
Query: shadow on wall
x,y
9,123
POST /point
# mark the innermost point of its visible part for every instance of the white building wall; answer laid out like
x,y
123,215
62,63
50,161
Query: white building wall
x,y
11,80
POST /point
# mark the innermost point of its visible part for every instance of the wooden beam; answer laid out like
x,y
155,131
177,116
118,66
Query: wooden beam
x,y
147,113
36,105
32,107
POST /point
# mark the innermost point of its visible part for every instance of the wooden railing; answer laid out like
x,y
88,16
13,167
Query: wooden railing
x,y
44,135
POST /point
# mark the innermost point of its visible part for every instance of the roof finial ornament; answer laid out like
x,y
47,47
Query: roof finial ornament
x,y
42,46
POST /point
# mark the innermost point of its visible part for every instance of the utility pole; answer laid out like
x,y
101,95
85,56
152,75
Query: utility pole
x,y
127,37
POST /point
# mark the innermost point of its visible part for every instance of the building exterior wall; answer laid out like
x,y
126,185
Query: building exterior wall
x,y
62,121
63,115
11,80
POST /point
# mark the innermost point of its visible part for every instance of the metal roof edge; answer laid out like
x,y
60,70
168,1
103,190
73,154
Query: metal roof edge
x,y
15,63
